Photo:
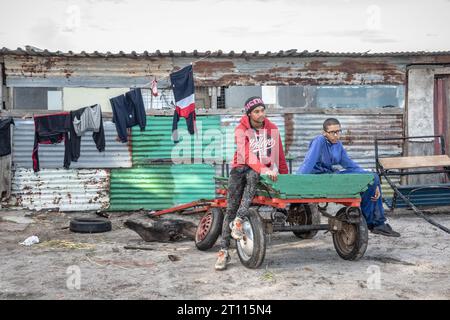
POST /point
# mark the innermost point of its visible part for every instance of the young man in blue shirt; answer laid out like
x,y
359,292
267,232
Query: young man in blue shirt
x,y
326,154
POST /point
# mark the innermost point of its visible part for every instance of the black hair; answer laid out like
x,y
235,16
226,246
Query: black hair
x,y
330,122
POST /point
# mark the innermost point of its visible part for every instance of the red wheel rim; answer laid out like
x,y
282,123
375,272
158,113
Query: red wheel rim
x,y
204,226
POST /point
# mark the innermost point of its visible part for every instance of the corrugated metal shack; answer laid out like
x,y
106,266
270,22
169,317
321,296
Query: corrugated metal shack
x,y
382,94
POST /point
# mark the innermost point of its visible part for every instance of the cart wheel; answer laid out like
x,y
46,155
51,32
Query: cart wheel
x,y
252,249
351,242
305,214
209,229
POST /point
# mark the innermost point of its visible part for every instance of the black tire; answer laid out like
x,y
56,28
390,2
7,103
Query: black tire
x,y
351,242
87,225
312,217
252,253
209,229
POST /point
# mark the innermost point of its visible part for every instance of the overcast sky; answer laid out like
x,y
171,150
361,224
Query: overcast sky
x,y
263,25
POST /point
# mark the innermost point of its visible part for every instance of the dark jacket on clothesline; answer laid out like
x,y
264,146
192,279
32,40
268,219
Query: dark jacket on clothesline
x,y
5,136
51,129
82,120
128,111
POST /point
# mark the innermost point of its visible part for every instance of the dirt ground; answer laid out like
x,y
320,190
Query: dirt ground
x,y
67,265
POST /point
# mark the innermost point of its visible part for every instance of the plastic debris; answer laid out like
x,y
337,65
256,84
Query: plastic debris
x,y
30,241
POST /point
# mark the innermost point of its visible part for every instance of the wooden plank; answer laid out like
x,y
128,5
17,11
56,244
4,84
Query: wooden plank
x,y
415,162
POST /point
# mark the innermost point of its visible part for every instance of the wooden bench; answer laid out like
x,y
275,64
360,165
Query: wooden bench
x,y
415,162
427,195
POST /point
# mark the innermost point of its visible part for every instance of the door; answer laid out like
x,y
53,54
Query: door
x,y
441,111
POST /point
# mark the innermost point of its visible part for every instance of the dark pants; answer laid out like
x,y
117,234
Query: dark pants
x,y
75,140
51,129
241,191
373,211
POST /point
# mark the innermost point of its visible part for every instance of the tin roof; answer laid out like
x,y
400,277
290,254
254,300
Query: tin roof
x,y
33,51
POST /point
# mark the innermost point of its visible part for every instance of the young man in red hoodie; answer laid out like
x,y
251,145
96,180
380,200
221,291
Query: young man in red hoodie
x,y
259,151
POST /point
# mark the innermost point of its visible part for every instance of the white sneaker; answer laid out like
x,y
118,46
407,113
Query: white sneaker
x,y
237,229
223,258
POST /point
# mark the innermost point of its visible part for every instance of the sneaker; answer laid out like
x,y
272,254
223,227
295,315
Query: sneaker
x,y
385,230
223,258
237,230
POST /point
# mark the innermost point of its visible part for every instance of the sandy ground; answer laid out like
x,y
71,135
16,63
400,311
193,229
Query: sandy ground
x,y
76,266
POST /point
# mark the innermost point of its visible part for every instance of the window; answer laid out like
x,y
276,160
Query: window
x,y
165,99
338,96
361,96
236,96
37,99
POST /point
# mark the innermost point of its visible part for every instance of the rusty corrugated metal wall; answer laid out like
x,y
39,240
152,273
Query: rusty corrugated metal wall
x,y
26,71
286,68
72,71
54,188
60,189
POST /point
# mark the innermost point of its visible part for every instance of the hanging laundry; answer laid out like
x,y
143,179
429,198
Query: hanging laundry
x,y
128,111
184,92
5,157
5,176
52,129
154,87
5,136
82,120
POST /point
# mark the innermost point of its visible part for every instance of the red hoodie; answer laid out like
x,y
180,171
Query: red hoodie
x,y
261,150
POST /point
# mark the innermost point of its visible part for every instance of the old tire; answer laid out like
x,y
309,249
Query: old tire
x,y
209,229
252,250
310,216
87,225
351,242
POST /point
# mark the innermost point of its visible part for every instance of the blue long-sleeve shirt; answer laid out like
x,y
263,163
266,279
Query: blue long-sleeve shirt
x,y
326,157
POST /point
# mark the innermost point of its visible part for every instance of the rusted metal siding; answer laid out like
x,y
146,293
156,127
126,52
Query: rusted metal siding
x,y
59,189
297,71
35,71
160,186
359,132
116,155
71,71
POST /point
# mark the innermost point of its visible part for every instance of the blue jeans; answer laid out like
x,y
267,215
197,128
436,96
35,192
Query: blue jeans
x,y
373,211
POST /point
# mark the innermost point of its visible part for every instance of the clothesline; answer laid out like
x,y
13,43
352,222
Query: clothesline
x,y
145,86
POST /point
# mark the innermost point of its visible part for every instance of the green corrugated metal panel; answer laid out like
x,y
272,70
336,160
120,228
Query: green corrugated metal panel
x,y
156,141
159,187
319,185
215,139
